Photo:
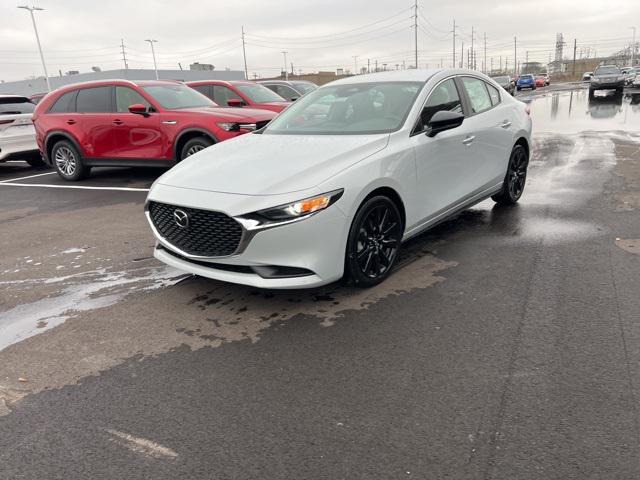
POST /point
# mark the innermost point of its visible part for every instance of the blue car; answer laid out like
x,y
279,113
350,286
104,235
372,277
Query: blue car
x,y
526,81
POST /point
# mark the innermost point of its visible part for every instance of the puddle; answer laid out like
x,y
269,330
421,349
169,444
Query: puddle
x,y
79,292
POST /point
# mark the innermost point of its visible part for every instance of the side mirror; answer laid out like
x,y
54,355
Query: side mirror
x,y
235,102
138,109
443,120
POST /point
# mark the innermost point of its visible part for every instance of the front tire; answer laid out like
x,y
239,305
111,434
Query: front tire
x,y
374,242
515,179
67,161
194,146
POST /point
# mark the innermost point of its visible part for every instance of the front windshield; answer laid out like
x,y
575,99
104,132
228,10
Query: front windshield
x,y
607,71
304,87
527,77
259,93
352,109
174,97
501,79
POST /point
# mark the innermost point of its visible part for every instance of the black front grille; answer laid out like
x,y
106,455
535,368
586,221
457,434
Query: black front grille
x,y
207,234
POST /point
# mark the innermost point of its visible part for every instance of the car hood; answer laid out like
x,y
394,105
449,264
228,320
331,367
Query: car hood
x,y
607,78
255,164
274,104
233,114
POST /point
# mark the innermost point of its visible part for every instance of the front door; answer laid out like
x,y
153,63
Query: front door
x,y
137,136
443,162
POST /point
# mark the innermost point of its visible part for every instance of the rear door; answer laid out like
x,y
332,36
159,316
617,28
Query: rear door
x,y
136,136
92,122
490,126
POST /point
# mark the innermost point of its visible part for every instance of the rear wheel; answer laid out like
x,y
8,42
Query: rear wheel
x,y
67,161
194,146
374,242
515,179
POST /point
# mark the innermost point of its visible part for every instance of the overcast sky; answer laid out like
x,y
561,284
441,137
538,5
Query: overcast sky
x,y
318,34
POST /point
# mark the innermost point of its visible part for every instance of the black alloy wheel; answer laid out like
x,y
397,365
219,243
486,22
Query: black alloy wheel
x,y
515,178
374,242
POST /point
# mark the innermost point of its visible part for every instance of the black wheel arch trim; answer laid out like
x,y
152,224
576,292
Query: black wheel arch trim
x,y
57,133
187,131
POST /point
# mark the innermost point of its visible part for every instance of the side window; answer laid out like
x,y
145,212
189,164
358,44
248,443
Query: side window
x,y
222,95
94,100
203,89
286,92
478,96
443,97
64,104
125,97
273,88
494,94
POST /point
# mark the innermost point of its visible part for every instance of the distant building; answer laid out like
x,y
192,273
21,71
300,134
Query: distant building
x,y
38,85
202,67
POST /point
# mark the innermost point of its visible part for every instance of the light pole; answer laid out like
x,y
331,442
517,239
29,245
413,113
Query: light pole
x,y
35,29
286,72
633,46
153,52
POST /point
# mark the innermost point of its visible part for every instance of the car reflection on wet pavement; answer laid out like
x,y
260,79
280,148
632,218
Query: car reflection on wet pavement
x,y
505,346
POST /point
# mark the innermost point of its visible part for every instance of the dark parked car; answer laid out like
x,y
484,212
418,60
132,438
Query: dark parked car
x,y
526,81
607,77
289,90
142,123
506,82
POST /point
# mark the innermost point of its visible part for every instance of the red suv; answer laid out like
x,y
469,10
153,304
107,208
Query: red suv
x,y
240,94
124,123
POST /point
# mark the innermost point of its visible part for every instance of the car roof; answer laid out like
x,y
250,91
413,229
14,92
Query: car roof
x,y
412,75
116,81
4,95
220,82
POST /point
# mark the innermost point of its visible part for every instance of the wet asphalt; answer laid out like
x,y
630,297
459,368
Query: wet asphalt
x,y
505,346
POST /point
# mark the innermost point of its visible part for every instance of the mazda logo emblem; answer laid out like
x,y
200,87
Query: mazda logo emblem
x,y
181,218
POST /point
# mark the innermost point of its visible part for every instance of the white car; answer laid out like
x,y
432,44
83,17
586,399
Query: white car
x,y
17,134
322,193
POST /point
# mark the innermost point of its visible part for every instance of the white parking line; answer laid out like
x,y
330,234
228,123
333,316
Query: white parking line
x,y
30,176
74,187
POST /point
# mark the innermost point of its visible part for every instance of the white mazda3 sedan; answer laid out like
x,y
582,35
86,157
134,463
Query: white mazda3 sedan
x,y
334,184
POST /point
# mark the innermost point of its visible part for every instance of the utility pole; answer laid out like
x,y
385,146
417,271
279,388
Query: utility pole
x,y
376,68
633,47
286,72
485,52
355,64
244,55
515,56
575,47
453,65
35,29
369,65
462,55
153,52
124,55
472,40
415,26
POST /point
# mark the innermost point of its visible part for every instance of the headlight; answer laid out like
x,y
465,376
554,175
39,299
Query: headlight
x,y
228,126
298,209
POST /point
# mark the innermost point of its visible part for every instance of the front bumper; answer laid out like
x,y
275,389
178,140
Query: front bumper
x,y
607,85
311,249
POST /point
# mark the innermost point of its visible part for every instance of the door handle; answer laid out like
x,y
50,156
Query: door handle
x,y
71,121
118,122
505,124
169,122
469,140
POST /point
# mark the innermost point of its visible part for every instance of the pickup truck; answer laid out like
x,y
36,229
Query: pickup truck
x,y
17,133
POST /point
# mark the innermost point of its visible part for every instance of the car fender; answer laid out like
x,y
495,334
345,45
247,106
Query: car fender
x,y
188,131
62,133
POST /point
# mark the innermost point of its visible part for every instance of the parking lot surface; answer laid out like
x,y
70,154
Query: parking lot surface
x,y
505,346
